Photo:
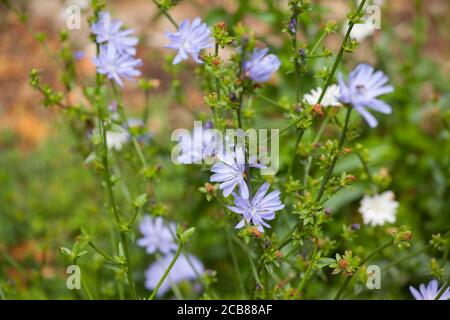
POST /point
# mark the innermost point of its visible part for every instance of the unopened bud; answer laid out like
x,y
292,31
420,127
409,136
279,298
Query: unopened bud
x,y
343,263
317,110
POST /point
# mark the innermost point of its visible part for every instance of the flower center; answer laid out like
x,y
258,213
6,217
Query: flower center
x,y
111,68
376,206
186,45
361,88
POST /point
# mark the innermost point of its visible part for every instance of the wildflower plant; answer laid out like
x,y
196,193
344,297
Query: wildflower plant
x,y
208,222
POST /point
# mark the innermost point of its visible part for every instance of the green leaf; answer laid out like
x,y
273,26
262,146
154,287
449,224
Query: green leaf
x,y
131,235
82,253
323,262
90,158
140,200
187,234
66,251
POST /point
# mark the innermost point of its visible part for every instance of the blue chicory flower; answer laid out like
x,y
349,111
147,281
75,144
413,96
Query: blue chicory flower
x,y
261,207
261,65
230,171
108,31
363,88
190,39
157,236
116,66
429,292
182,270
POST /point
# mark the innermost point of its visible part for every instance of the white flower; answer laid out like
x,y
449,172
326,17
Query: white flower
x,y
182,270
157,235
116,138
379,209
330,99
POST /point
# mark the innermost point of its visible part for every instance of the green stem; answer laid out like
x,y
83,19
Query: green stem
x,y
247,250
217,80
365,166
317,43
316,140
176,290
107,174
340,54
235,262
333,162
166,273
112,200
267,99
86,289
164,12
241,96
296,63
133,218
139,152
312,260
267,291
124,118
146,112
101,252
297,143
441,292
216,53
447,249
297,89
366,259
124,240
336,63
406,257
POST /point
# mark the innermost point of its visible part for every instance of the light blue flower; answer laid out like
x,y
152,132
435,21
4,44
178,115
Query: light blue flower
x,y
182,270
108,31
363,88
230,171
190,39
116,66
157,236
261,207
429,292
261,65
